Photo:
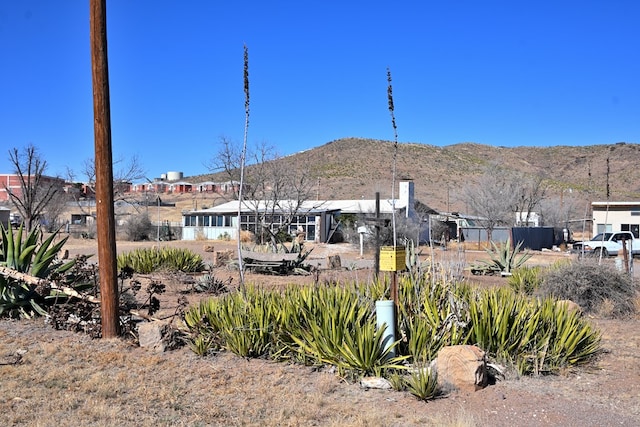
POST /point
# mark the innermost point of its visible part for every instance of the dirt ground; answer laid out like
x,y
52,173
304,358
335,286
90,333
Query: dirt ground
x,y
67,379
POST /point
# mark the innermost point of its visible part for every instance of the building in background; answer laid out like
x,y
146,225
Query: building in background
x,y
317,219
616,216
11,183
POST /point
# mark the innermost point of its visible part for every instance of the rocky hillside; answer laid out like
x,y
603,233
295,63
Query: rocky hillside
x,y
353,168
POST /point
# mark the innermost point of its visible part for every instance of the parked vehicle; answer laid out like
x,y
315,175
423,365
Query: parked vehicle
x,y
15,220
609,244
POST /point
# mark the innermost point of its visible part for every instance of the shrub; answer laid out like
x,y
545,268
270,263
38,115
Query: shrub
x,y
537,336
336,326
525,280
138,227
147,260
589,285
432,317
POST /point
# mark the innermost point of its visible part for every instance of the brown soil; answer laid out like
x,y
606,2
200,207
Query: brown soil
x,y
68,379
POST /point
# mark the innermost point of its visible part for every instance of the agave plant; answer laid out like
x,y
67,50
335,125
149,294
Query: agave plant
x,y
24,256
504,258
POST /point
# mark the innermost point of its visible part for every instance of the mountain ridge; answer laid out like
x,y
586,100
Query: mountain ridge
x,y
354,168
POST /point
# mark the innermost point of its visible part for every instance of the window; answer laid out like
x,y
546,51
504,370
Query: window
x,y
603,228
633,228
190,221
205,220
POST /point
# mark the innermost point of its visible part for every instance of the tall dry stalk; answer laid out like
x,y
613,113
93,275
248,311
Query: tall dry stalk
x,y
395,155
243,156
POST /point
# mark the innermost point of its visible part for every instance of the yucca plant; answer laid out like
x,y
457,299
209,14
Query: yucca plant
x,y
246,324
181,259
365,352
326,315
563,339
200,344
535,336
501,322
336,326
148,260
432,316
200,321
422,383
243,322
525,280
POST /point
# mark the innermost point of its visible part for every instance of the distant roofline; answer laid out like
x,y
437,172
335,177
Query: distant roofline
x,y
635,203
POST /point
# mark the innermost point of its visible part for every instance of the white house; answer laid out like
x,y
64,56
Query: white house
x,y
616,216
316,218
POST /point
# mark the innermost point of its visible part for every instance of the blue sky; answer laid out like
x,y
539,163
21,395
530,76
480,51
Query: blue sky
x,y
502,73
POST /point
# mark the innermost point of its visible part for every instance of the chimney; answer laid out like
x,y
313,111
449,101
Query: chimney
x,y
406,198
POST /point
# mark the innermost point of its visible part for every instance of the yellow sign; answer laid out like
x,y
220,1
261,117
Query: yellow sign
x,y
392,258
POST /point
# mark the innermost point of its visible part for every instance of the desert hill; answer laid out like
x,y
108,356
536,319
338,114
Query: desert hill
x,y
353,168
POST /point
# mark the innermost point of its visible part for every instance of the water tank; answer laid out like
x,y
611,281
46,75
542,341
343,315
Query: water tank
x,y
174,176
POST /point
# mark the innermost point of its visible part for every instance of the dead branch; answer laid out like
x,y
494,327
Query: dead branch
x,y
144,316
37,281
32,280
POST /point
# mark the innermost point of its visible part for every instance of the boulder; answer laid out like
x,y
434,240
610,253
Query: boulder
x,y
375,382
570,305
158,336
461,367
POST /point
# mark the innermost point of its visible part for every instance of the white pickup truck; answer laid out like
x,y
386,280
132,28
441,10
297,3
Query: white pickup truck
x,y
609,244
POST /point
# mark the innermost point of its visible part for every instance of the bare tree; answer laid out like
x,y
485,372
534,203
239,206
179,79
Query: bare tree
x,y
275,196
529,192
36,189
54,210
561,210
492,199
123,175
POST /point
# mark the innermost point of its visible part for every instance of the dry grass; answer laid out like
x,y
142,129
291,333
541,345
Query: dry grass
x,y
67,379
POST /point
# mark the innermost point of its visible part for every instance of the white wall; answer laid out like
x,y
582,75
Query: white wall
x,y
614,218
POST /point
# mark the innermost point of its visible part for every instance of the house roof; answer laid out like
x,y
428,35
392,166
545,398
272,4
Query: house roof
x,y
617,204
308,206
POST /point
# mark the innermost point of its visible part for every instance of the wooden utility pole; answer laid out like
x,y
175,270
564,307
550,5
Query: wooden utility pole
x,y
104,170
376,257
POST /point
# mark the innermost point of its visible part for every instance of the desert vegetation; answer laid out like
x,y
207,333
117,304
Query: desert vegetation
x,y
330,327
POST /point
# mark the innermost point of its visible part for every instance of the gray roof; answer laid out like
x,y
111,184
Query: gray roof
x,y
308,206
